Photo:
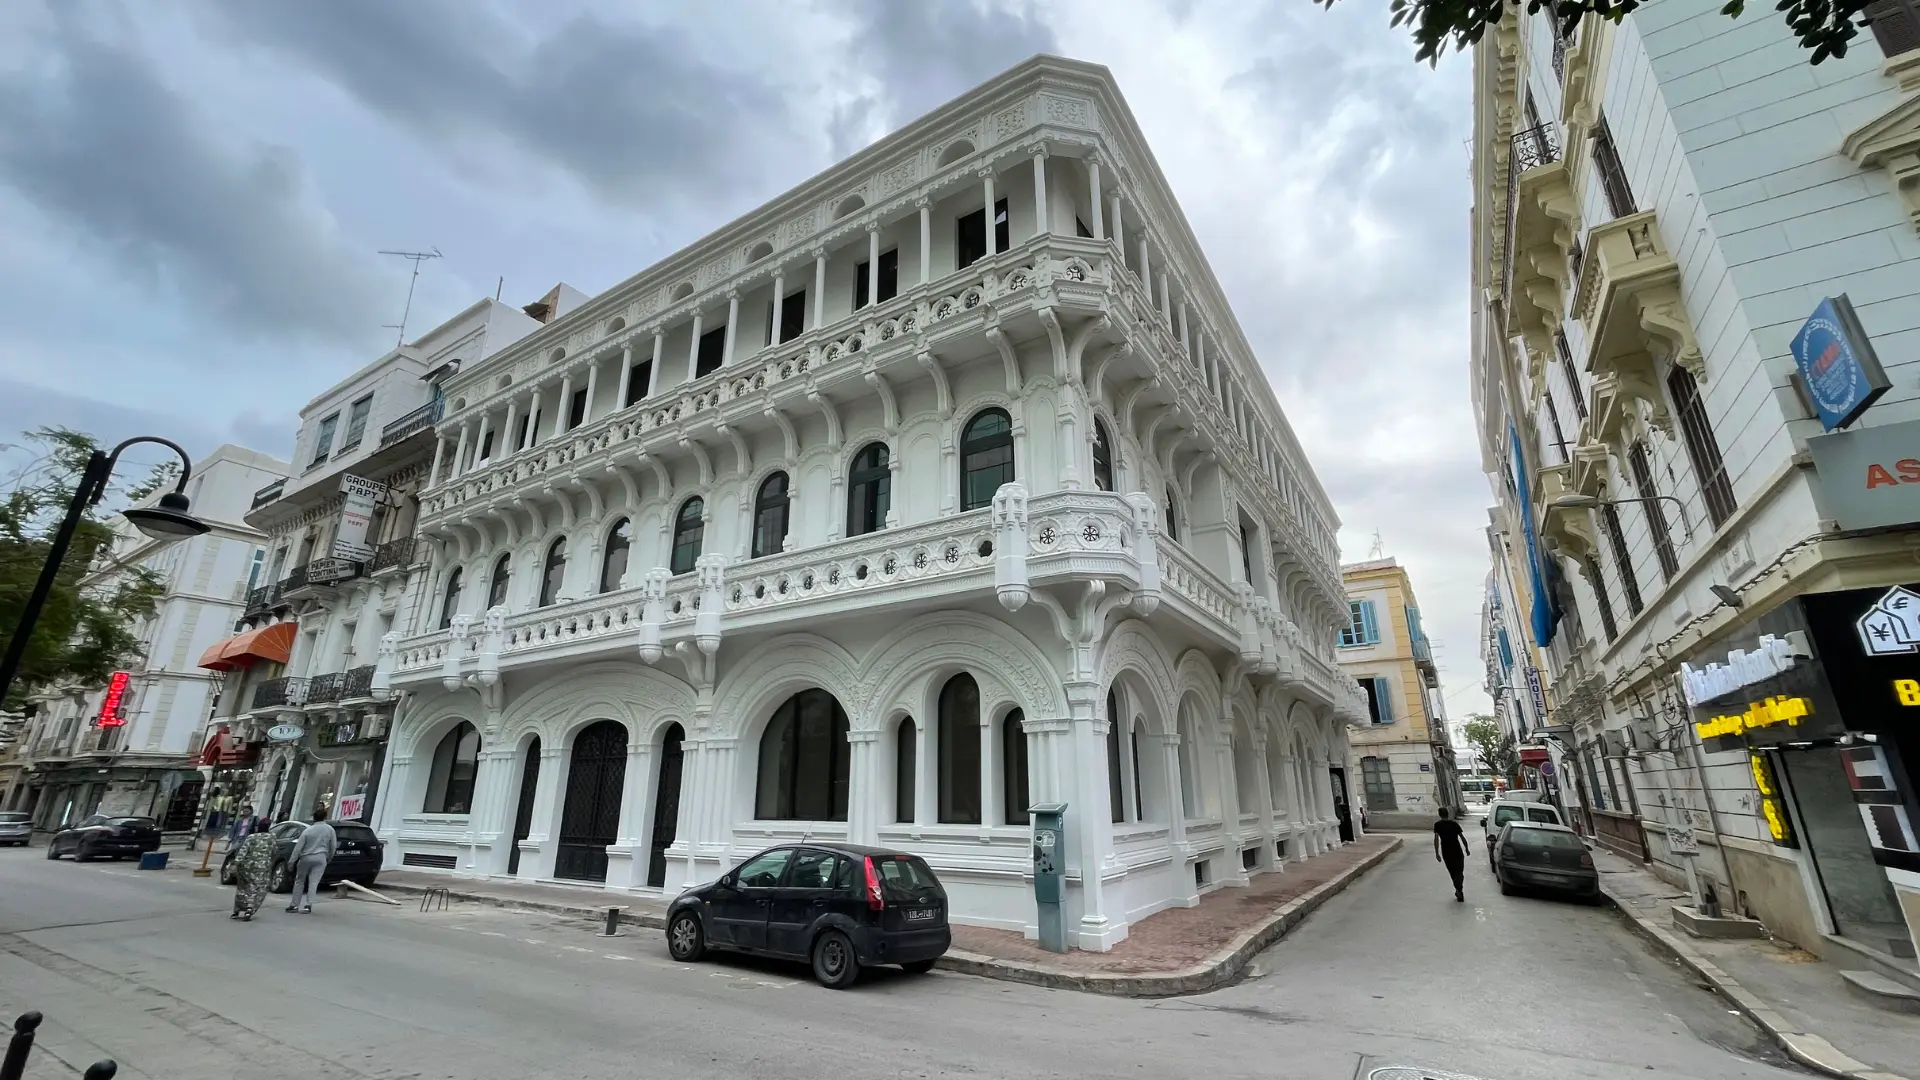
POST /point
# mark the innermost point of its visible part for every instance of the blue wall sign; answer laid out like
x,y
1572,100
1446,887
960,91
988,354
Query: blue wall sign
x,y
1544,615
1837,364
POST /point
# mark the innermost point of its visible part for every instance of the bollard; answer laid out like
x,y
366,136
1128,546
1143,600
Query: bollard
x,y
15,1063
613,923
101,1070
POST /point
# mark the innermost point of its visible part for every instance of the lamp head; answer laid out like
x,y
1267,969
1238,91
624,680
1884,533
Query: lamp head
x,y
1573,500
169,520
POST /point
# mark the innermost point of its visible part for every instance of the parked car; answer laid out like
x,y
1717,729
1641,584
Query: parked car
x,y
1540,855
1506,808
16,827
357,859
103,836
839,907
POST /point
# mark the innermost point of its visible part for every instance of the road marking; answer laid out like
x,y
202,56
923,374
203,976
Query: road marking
x,y
614,956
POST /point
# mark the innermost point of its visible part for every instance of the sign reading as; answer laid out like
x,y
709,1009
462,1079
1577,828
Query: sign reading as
x,y
1869,477
1837,364
356,518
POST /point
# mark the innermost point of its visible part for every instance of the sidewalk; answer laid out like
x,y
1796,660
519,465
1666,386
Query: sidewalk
x,y
1177,951
1793,995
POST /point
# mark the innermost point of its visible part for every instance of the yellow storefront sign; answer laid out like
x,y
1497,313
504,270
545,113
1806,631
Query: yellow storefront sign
x,y
1759,714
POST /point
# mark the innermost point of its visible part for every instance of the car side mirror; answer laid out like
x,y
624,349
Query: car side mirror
x,y
727,882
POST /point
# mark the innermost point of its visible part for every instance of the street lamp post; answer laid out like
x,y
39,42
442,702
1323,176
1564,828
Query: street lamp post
x,y
1573,500
167,521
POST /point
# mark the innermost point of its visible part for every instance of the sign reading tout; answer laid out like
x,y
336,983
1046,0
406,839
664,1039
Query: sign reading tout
x,y
351,807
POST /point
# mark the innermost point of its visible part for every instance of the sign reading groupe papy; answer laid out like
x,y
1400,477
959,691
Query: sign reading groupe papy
x,y
363,497
1837,364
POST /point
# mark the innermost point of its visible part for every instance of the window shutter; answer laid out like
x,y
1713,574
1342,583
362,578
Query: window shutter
x,y
1384,689
1896,25
1369,630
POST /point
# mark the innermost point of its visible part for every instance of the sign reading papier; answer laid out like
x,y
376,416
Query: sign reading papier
x,y
356,518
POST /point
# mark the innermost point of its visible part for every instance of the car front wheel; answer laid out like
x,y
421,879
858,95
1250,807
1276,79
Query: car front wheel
x,y
282,877
80,852
226,871
834,965
685,940
53,850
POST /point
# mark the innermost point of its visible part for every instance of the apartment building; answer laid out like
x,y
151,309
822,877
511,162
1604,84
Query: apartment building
x,y
301,727
939,487
128,746
1697,273
1404,753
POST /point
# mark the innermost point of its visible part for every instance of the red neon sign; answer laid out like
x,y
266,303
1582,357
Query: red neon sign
x,y
110,707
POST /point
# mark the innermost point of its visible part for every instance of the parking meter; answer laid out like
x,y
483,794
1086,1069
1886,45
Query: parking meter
x,y
1050,873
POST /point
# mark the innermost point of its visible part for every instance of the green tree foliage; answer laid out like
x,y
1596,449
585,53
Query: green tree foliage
x,y
1494,746
1823,26
85,632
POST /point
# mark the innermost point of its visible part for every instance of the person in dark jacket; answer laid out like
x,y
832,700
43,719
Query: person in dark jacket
x,y
1450,847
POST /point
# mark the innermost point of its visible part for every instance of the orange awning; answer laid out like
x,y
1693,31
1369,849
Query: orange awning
x,y
273,643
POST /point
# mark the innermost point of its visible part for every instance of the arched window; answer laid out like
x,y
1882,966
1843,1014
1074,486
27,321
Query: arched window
x,y
688,530
906,765
455,762
1013,767
1173,516
1139,792
450,603
497,583
770,516
986,458
959,740
1116,785
804,761
869,490
1102,456
613,564
554,571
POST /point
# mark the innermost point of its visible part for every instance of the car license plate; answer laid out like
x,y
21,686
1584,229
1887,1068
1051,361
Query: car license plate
x,y
921,915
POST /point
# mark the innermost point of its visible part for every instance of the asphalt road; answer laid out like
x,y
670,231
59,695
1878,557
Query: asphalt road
x,y
145,968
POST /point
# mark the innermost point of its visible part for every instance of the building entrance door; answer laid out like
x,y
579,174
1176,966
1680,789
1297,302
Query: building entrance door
x,y
666,806
590,818
1859,897
1342,812
523,814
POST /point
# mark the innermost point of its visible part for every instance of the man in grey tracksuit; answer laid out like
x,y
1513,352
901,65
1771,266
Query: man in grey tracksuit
x,y
311,853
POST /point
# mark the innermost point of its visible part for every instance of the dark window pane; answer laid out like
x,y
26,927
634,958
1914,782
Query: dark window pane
x,y
554,571
986,458
1642,470
1709,471
713,349
450,602
1613,175
905,770
1116,791
869,490
613,564
1001,235
793,316
638,379
1622,561
804,759
1102,457
970,239
497,585
577,411
959,764
688,530
889,275
770,516
1013,767
1600,598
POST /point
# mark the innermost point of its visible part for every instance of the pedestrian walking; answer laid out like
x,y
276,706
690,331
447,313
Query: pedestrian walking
x,y
252,873
311,854
242,826
1450,847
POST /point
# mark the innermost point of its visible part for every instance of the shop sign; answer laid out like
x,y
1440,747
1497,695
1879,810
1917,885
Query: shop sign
x,y
1868,478
1868,643
285,732
111,706
1772,810
1772,689
324,571
351,807
1837,363
1538,690
363,497
1774,657
1760,714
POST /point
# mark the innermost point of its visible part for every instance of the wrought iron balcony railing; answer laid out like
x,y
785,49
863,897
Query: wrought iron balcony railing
x,y
393,554
285,690
418,420
357,683
269,493
326,689
1530,148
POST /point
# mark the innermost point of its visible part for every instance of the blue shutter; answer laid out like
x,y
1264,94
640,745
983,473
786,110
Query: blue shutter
x,y
1383,687
1506,653
1369,630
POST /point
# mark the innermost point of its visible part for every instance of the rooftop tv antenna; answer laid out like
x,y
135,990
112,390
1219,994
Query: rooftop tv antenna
x,y
417,258
1379,549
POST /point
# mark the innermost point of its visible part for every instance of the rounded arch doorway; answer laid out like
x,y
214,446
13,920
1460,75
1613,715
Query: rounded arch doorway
x,y
590,818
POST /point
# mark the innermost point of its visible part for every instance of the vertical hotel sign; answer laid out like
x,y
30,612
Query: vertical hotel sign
x,y
363,496
113,706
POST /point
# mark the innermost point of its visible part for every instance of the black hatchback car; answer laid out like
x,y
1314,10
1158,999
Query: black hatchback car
x,y
1539,855
839,907
356,859
101,836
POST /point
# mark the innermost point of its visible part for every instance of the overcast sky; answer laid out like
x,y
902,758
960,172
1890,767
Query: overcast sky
x,y
192,196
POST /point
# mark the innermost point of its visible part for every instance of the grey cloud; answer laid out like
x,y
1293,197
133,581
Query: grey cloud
x,y
924,54
633,112
94,138
24,407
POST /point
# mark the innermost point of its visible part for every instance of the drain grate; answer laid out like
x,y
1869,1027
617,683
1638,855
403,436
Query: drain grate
x,y
1414,1072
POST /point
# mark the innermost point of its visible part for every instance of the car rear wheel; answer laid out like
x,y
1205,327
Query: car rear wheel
x,y
1505,889
685,940
282,877
834,965
226,871
918,967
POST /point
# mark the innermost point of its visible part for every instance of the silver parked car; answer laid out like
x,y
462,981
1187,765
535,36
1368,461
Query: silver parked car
x,y
16,827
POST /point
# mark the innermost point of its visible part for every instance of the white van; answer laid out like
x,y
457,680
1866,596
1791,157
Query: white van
x,y
1505,809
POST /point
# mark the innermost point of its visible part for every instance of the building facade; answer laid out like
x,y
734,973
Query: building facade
x,y
942,486
1689,246
1404,754
77,756
300,728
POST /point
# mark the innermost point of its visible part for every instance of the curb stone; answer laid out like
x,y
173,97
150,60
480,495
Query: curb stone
x,y
1808,1049
1218,970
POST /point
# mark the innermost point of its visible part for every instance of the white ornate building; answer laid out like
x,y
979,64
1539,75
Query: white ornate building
x,y
1003,514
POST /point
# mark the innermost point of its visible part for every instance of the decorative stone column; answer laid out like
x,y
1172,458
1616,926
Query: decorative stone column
x,y
492,810
627,859
1263,781
864,783
538,849
1099,929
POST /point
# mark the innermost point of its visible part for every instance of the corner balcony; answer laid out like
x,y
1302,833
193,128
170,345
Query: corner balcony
x,y
1570,531
284,692
1544,219
1628,301
1009,553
